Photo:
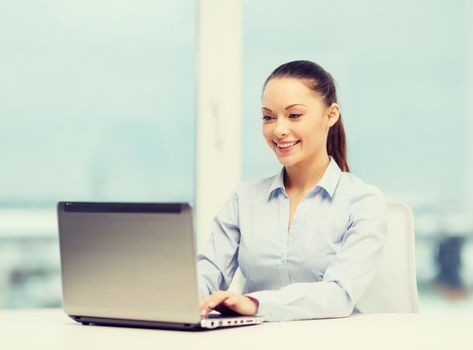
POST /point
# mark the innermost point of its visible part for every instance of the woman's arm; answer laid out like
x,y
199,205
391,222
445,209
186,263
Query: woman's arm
x,y
218,262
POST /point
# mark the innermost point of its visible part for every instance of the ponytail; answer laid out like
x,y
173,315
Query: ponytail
x,y
336,145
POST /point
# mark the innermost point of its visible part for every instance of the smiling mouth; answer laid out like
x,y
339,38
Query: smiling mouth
x,y
286,145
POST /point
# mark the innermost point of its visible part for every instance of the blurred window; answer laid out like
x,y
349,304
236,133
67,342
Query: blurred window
x,y
97,102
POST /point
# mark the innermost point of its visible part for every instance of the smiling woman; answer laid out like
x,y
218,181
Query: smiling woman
x,y
307,240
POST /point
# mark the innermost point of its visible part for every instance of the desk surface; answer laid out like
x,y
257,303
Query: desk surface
x,y
52,329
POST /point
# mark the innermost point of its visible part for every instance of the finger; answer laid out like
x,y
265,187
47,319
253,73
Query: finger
x,y
210,300
213,301
231,301
230,306
217,298
204,302
226,310
241,305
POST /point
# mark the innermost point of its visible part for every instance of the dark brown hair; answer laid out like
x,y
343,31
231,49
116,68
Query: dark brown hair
x,y
321,82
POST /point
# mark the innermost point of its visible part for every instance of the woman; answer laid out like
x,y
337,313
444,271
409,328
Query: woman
x,y
307,240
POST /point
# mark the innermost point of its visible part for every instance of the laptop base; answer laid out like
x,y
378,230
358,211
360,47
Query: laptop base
x,y
206,324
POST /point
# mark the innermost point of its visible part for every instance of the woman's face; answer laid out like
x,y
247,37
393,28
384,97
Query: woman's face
x,y
296,121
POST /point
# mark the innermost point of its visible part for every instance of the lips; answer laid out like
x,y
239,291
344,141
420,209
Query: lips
x,y
286,147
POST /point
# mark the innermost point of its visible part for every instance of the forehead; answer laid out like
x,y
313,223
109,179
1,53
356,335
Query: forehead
x,y
286,91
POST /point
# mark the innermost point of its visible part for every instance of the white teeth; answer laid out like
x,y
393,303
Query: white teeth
x,y
285,145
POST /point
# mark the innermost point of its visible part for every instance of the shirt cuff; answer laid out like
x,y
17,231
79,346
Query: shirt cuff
x,y
270,304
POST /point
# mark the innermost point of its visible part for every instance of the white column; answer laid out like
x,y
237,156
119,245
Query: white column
x,y
469,94
218,109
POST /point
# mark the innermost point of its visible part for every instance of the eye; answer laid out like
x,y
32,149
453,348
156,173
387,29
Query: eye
x,y
295,116
267,117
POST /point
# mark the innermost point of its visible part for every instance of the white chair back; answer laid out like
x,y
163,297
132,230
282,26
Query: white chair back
x,y
394,288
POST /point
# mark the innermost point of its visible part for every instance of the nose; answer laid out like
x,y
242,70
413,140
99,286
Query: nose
x,y
281,128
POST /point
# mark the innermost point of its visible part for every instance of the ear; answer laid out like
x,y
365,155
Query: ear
x,y
333,113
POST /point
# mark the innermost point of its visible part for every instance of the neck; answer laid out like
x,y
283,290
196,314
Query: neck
x,y
301,177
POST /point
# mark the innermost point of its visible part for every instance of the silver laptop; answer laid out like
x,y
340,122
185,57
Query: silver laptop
x,y
133,264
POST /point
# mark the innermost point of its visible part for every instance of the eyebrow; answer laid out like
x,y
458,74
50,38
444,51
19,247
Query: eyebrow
x,y
295,104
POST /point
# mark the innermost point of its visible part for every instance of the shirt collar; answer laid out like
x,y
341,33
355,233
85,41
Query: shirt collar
x,y
278,183
328,182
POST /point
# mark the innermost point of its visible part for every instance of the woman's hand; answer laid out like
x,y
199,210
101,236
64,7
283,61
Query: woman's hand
x,y
226,302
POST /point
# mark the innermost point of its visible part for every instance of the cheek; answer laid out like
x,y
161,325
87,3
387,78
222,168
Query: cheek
x,y
267,132
314,133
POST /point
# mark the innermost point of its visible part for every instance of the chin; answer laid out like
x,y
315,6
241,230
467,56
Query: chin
x,y
285,161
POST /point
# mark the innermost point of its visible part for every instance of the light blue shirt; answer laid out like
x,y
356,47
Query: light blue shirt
x,y
317,268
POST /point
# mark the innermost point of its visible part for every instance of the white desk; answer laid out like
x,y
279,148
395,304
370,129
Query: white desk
x,y
52,329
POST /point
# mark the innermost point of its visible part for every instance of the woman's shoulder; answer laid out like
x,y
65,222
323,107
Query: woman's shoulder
x,y
360,193
357,189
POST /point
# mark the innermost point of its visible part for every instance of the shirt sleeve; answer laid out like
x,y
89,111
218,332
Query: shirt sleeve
x,y
346,277
218,262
